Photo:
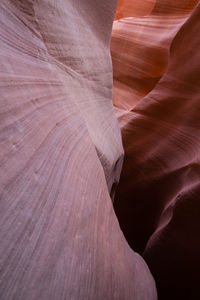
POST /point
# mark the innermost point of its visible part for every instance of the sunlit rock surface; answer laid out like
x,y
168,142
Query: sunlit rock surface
x,y
61,156
140,46
157,201
129,8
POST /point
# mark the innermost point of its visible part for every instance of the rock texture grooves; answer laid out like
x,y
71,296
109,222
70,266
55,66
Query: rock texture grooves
x,y
140,46
61,155
158,197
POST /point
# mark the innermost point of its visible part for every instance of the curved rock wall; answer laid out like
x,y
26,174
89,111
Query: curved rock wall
x,y
61,155
157,201
140,47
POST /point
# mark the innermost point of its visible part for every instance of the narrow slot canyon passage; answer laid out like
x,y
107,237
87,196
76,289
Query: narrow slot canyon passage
x,y
99,150
155,53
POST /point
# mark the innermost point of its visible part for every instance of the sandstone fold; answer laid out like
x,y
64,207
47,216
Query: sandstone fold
x,y
157,201
141,38
61,157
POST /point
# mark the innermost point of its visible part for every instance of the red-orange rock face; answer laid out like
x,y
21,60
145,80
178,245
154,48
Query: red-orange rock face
x,y
140,46
157,201
128,8
60,157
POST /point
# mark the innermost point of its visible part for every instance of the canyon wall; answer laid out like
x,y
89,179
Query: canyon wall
x,y
156,61
61,156
61,152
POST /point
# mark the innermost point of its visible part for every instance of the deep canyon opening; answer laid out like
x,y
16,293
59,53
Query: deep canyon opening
x,y
150,46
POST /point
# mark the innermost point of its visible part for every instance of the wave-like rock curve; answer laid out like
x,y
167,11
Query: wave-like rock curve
x,y
61,156
157,201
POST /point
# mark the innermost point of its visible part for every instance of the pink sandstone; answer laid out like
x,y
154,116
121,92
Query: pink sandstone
x,y
61,156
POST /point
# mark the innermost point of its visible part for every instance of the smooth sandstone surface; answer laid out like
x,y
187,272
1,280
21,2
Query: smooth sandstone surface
x,y
157,201
140,47
128,8
60,157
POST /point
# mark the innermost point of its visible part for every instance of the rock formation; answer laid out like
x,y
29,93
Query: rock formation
x,y
157,201
140,46
61,156
61,152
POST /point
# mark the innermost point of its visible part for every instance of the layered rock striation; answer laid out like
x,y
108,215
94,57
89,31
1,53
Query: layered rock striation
x,y
157,201
140,46
61,157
